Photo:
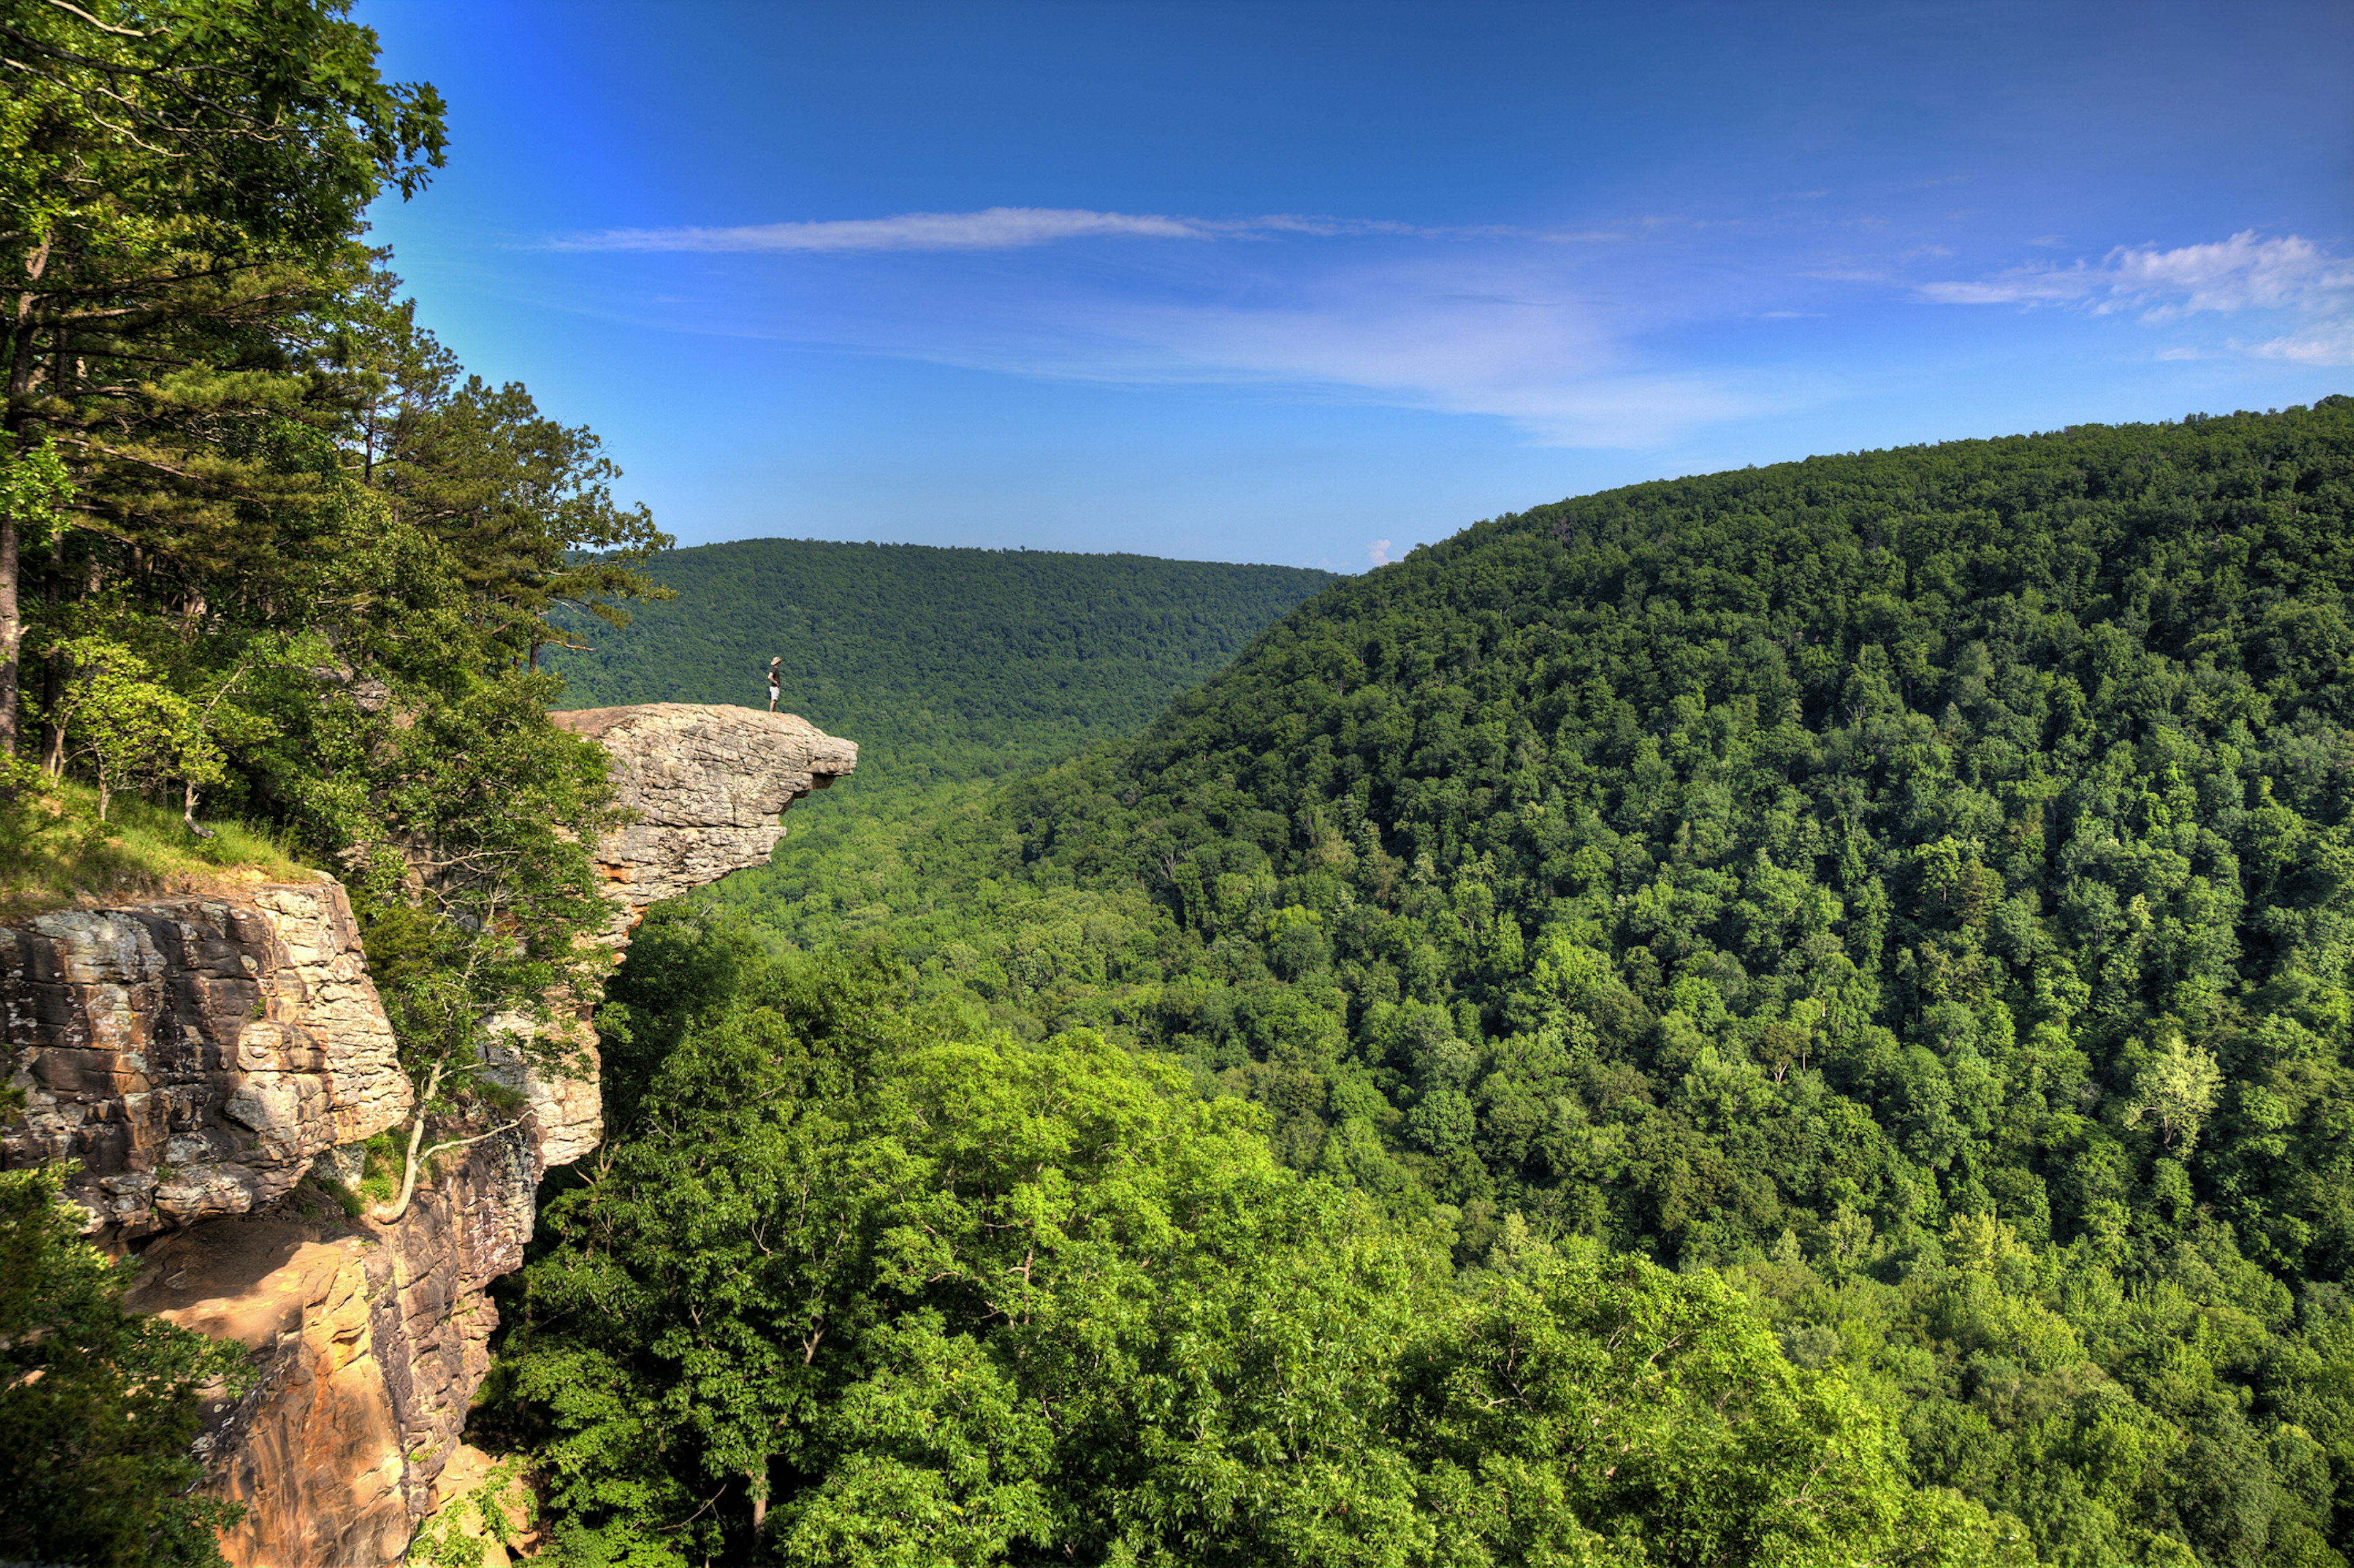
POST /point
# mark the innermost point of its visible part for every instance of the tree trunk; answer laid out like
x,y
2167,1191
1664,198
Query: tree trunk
x,y
189,809
410,1161
53,669
12,635
759,1502
21,358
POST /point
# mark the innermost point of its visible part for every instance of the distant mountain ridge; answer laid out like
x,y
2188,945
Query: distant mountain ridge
x,y
943,664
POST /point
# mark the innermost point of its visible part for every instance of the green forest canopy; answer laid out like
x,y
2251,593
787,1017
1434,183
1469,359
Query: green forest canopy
x,y
1912,886
864,1284
943,664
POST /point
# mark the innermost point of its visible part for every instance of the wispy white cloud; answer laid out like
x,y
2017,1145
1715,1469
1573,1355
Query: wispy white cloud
x,y
1003,229
1379,552
2331,345
2243,272
1540,328
1462,338
994,228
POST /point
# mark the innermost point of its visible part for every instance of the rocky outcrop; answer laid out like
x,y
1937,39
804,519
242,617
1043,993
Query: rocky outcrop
x,y
193,1056
709,786
706,788
198,1056
367,1341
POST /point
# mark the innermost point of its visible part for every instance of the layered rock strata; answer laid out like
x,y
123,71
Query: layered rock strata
x,y
197,1055
192,1056
367,1341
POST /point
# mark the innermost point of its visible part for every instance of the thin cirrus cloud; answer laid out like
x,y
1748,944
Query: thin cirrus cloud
x,y
1463,337
1481,327
991,228
1501,321
2332,345
2243,272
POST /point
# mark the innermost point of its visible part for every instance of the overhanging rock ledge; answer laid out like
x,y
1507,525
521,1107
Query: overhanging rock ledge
x,y
708,784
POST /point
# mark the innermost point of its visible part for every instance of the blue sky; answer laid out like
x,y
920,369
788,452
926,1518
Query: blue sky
x,y
1310,284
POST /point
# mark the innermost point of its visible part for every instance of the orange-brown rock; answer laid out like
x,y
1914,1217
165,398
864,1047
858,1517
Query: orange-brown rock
x,y
367,1341
196,1057
304,1301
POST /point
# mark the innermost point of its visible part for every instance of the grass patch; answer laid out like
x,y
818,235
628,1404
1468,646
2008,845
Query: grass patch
x,y
55,854
376,1181
380,1177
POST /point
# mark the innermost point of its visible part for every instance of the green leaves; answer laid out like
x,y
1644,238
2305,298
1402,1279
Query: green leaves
x,y
34,488
133,730
1786,873
98,1406
868,1284
2175,1089
1598,1409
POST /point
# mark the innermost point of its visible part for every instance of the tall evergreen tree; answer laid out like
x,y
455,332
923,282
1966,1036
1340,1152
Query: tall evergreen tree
x,y
181,184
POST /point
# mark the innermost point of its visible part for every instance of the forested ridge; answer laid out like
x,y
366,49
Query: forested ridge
x,y
1909,887
948,667
943,664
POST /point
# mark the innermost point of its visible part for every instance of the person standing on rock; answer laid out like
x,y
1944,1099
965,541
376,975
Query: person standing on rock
x,y
775,691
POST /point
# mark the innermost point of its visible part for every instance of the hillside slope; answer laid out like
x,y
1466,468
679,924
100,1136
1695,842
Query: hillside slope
x,y
1918,884
943,664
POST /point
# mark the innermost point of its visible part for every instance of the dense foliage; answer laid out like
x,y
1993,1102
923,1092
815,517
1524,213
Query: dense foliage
x,y
264,554
98,1406
857,1283
1914,884
943,664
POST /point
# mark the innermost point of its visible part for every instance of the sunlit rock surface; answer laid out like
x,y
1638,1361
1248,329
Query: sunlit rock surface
x,y
197,1055
193,1056
709,785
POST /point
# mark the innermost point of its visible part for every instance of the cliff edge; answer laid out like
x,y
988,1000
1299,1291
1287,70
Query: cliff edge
x,y
196,1057
709,786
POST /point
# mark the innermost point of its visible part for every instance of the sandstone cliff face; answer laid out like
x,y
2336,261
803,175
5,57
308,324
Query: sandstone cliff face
x,y
197,1055
367,1342
194,1055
